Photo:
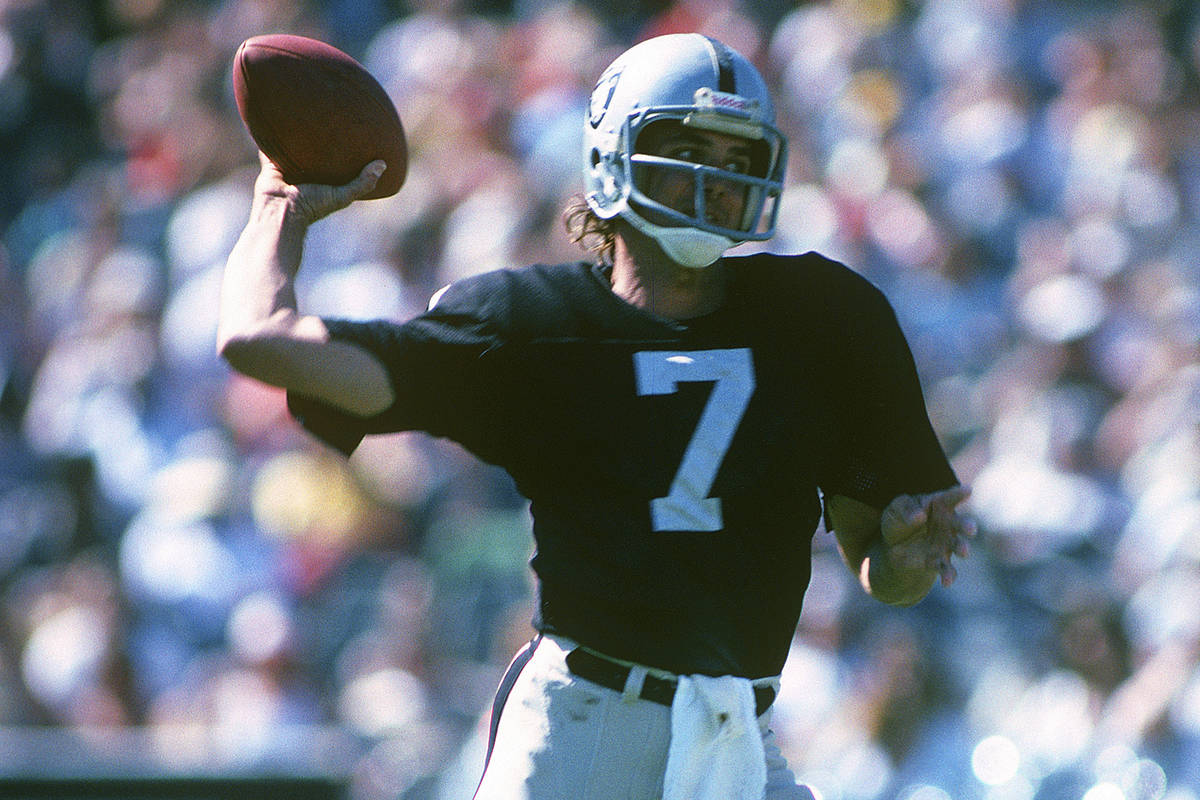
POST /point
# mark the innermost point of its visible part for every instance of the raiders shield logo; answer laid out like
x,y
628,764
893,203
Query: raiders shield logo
x,y
602,96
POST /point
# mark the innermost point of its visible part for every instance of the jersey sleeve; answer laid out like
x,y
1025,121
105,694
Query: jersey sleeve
x,y
883,443
438,365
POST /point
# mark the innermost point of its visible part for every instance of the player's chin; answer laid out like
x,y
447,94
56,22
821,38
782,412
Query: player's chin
x,y
726,221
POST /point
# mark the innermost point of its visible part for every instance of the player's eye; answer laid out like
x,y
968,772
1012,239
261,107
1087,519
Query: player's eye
x,y
693,155
688,154
740,165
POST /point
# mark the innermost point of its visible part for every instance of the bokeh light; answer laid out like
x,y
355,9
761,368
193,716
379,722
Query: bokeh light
x,y
996,760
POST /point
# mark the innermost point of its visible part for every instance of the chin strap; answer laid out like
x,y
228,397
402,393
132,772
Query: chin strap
x,y
688,247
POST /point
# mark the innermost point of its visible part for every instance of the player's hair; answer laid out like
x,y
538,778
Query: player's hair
x,y
595,235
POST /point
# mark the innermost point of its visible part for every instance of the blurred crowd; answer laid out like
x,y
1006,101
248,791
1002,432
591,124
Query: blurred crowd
x,y
1021,178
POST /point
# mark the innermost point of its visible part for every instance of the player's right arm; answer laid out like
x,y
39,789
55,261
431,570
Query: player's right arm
x,y
261,333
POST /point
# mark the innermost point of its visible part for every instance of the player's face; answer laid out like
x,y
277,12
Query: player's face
x,y
724,201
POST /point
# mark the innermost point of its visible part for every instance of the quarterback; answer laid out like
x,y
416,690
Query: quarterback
x,y
678,418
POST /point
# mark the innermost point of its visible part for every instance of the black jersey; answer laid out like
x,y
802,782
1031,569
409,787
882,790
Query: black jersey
x,y
674,469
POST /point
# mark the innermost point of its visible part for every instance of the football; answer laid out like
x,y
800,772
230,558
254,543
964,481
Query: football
x,y
317,113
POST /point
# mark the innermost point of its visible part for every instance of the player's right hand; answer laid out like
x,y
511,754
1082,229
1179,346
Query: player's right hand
x,y
311,201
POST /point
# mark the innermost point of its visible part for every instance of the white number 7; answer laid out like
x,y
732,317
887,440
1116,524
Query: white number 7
x,y
687,507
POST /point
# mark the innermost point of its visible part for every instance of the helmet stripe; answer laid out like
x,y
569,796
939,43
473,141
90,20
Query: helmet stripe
x,y
725,79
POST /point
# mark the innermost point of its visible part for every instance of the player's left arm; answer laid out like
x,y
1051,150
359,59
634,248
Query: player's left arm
x,y
899,552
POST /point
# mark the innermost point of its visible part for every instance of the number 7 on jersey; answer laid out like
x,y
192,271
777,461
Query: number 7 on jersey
x,y
687,506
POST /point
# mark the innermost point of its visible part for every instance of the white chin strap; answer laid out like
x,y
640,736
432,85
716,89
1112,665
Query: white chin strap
x,y
688,247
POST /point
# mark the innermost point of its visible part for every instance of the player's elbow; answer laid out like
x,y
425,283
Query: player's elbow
x,y
236,349
248,356
295,353
237,343
254,349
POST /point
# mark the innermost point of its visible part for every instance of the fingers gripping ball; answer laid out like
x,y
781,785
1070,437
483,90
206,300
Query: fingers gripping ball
x,y
318,114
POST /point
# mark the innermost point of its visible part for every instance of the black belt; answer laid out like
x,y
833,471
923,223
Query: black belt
x,y
610,674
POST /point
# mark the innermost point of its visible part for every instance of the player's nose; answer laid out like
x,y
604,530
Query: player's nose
x,y
720,199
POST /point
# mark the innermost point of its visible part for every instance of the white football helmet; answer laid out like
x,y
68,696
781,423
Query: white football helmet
x,y
698,83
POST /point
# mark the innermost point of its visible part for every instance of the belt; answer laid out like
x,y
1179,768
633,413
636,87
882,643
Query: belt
x,y
613,675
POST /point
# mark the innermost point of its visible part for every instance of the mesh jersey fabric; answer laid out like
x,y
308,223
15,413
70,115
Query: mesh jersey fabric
x,y
544,371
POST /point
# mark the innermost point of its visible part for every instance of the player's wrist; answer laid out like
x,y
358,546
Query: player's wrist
x,y
888,575
280,212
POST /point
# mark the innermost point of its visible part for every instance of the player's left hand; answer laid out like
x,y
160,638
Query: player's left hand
x,y
926,531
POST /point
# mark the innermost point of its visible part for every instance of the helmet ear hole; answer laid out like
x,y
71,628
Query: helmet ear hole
x,y
594,158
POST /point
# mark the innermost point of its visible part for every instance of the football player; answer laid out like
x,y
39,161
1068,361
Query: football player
x,y
678,418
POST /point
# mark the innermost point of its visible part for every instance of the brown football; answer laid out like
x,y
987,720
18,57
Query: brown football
x,y
318,114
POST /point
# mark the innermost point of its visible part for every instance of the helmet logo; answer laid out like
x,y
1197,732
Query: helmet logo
x,y
708,99
602,95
